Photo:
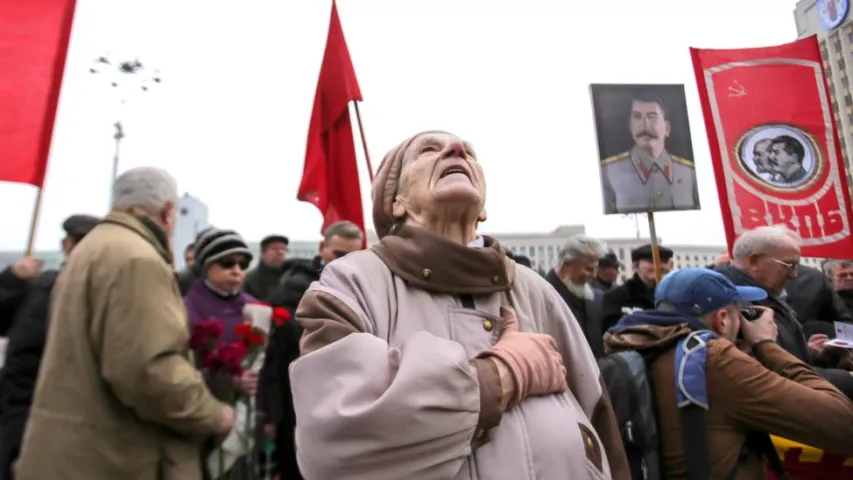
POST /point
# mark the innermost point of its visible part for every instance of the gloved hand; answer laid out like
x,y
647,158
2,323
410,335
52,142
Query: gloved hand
x,y
532,359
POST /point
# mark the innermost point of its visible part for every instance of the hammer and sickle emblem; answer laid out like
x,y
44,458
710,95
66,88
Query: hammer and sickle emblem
x,y
737,90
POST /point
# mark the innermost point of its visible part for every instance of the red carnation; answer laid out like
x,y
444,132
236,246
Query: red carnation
x,y
232,357
249,335
212,361
280,315
206,334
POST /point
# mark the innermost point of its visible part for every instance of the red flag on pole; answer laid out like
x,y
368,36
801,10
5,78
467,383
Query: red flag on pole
x,y
330,177
34,38
773,142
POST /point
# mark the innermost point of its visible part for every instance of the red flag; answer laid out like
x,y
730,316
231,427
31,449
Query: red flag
x,y
33,43
773,144
330,176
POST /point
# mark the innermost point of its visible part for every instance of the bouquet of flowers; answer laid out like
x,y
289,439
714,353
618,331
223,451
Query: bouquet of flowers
x,y
247,353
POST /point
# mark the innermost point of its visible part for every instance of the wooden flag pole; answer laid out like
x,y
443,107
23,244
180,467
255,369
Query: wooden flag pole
x,y
655,248
363,141
34,223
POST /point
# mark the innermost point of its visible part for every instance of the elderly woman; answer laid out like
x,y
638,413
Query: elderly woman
x,y
432,356
221,261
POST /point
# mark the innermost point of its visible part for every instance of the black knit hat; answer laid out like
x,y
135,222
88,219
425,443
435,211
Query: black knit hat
x,y
214,244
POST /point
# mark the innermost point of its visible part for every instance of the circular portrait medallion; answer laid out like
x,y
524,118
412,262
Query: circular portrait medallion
x,y
780,157
832,12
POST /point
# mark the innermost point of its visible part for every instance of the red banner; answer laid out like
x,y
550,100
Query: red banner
x,y
773,144
33,43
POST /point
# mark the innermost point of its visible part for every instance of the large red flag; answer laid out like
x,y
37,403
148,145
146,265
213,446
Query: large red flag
x,y
773,144
330,176
33,43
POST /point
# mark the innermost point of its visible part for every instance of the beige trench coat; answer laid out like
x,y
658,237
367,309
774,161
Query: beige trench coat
x,y
117,398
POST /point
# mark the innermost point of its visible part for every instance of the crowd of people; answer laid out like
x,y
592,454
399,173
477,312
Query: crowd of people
x,y
435,354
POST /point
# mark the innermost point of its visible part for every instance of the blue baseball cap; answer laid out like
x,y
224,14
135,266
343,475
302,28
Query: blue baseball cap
x,y
696,291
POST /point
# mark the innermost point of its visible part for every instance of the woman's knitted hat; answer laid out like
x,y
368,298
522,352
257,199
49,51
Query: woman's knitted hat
x,y
214,244
386,182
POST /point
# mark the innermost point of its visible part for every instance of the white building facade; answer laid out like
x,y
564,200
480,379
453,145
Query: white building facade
x,y
832,22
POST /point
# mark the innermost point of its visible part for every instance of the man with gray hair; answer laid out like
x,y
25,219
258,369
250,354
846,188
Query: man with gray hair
x,y
769,257
841,274
576,263
117,395
339,239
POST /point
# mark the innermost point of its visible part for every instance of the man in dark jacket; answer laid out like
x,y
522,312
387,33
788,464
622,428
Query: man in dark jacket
x,y
275,398
606,273
768,257
27,338
817,304
14,282
266,276
186,276
841,273
577,261
638,292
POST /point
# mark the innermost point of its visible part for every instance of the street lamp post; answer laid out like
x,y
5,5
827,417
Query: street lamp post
x,y
125,76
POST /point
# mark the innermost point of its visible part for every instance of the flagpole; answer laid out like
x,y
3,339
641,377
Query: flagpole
x,y
31,240
363,141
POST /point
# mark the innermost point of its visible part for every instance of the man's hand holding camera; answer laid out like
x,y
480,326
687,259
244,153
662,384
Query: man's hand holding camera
x,y
763,329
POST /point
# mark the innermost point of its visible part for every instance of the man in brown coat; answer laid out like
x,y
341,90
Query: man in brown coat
x,y
117,397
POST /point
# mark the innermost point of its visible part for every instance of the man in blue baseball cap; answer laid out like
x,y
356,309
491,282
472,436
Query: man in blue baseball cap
x,y
709,296
739,395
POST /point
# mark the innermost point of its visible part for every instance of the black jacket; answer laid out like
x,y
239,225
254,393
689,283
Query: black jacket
x,y
631,295
185,277
27,338
12,293
815,301
283,348
587,313
791,335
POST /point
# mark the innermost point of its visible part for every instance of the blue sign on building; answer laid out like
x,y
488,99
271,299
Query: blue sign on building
x,y
832,12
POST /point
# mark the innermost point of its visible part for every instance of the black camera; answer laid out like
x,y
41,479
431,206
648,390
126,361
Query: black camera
x,y
750,314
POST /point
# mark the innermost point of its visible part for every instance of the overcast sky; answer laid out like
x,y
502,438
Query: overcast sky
x,y
231,116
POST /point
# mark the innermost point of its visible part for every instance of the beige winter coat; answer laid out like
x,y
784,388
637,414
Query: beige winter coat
x,y
117,397
386,388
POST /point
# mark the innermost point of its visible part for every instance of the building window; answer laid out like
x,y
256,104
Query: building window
x,y
835,107
850,119
848,100
841,64
845,81
836,45
832,89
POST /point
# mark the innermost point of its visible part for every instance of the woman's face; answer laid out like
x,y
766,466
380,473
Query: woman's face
x,y
440,176
227,273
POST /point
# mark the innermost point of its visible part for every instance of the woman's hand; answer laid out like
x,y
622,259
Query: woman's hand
x,y
531,359
247,383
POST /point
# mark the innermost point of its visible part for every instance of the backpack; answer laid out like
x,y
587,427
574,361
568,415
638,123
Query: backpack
x,y
627,383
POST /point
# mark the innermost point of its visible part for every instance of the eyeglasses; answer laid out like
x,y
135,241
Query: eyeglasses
x,y
229,263
792,267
